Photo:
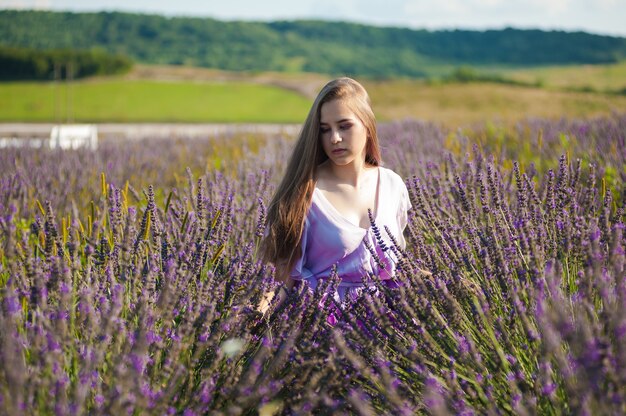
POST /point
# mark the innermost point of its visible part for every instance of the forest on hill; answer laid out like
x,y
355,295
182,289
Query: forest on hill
x,y
33,64
300,46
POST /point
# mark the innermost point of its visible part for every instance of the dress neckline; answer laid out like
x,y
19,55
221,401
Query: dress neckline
x,y
335,212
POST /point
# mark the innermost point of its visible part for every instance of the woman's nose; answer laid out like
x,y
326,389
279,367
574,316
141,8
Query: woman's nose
x,y
336,138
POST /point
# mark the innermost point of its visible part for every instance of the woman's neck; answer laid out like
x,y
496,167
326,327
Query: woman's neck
x,y
352,173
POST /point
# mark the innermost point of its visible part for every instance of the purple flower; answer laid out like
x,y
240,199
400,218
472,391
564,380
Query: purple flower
x,y
548,389
139,362
12,305
462,344
64,288
151,337
52,344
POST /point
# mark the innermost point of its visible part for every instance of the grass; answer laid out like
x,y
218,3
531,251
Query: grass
x,y
150,101
196,95
604,78
456,104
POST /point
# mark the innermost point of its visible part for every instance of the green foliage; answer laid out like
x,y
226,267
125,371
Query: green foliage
x,y
313,46
155,101
33,64
468,74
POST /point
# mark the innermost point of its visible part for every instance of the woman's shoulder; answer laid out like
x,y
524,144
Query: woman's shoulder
x,y
396,188
392,177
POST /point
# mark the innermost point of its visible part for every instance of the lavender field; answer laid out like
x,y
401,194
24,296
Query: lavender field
x,y
130,283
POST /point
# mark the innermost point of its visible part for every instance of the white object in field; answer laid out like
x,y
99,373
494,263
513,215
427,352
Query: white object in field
x,y
73,136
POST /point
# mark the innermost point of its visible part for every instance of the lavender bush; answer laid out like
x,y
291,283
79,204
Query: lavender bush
x,y
130,285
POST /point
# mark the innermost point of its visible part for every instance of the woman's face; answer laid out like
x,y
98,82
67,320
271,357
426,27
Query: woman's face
x,y
343,135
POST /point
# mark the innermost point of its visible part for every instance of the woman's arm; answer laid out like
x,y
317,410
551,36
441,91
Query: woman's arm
x,y
286,283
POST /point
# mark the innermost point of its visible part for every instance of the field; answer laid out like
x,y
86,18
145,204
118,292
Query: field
x,y
131,285
150,101
466,104
183,94
602,78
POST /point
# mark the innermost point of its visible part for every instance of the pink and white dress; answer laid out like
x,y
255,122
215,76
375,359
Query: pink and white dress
x,y
329,239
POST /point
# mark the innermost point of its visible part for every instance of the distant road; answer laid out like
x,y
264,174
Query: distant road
x,y
148,130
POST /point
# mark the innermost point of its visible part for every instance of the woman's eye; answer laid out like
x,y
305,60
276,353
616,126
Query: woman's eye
x,y
324,130
345,126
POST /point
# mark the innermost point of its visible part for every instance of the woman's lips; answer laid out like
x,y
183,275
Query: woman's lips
x,y
337,151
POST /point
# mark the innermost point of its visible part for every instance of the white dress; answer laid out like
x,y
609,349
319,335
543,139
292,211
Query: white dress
x,y
329,239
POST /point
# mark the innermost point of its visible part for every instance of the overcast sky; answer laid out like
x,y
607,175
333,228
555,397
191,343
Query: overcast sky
x,y
597,16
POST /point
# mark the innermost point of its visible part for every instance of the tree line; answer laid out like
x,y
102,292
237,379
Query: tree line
x,y
311,46
34,64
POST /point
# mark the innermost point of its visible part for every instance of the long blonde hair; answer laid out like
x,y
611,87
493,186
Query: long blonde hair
x,y
289,206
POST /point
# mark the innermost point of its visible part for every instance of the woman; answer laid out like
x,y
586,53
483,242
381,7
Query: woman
x,y
318,217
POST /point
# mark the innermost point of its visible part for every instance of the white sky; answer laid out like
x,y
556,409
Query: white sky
x,y
597,16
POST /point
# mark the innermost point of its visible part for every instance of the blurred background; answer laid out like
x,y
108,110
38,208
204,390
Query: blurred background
x,y
157,67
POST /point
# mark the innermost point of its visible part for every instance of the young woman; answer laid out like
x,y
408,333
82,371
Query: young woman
x,y
318,217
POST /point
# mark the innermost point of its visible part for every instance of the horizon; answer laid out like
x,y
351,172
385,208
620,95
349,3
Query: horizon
x,y
595,17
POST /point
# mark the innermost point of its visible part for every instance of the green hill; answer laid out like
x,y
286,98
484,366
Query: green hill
x,y
301,46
